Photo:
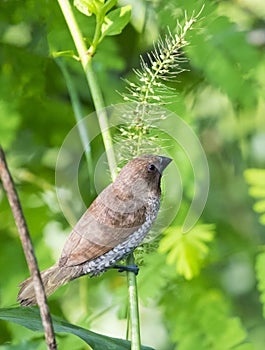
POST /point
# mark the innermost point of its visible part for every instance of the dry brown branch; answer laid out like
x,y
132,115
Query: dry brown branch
x,y
13,199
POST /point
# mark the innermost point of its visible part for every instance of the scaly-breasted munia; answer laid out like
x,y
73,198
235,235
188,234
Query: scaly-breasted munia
x,y
111,228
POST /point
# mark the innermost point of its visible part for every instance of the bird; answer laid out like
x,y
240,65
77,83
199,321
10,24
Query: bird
x,y
111,228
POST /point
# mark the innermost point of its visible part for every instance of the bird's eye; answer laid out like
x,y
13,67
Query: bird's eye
x,y
151,167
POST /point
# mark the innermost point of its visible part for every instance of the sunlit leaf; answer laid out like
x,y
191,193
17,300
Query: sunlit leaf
x,y
187,250
116,20
260,269
87,7
255,178
259,207
97,7
66,53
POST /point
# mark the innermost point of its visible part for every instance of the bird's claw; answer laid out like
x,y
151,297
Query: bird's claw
x,y
127,268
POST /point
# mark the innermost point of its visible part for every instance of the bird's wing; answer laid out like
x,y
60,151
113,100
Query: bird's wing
x,y
100,229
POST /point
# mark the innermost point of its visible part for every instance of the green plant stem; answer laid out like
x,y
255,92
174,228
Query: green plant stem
x,y
133,306
79,117
102,118
85,58
97,97
97,36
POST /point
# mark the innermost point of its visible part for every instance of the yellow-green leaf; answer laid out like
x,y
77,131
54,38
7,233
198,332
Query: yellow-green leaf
x,y
256,179
116,20
187,250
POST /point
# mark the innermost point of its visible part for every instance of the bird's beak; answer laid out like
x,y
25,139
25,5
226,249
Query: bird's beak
x,y
164,161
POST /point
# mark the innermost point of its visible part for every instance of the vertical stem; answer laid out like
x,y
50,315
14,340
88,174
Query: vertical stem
x,y
133,306
97,97
102,118
79,117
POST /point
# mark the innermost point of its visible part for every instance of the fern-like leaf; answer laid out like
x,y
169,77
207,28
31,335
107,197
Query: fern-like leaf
x,y
260,270
187,250
256,179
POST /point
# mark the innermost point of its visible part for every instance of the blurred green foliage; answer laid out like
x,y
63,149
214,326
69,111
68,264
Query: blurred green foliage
x,y
220,95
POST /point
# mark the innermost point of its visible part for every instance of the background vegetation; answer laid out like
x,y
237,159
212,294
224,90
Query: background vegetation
x,y
209,295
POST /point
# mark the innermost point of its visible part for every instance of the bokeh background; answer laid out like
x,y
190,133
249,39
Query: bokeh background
x,y
211,299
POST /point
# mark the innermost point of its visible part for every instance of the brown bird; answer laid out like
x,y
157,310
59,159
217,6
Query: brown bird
x,y
111,228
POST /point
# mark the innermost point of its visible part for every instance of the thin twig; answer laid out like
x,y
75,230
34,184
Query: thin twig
x,y
13,199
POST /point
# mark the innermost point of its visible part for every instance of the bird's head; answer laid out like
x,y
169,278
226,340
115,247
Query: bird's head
x,y
143,174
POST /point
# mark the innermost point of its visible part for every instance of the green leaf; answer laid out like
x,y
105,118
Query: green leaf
x,y
66,53
108,6
30,318
256,179
259,207
97,7
26,345
188,250
116,20
246,346
87,7
260,270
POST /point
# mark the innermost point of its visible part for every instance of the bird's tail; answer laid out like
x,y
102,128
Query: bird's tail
x,y
52,278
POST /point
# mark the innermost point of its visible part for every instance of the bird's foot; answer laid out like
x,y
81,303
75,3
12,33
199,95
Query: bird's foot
x,y
127,268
